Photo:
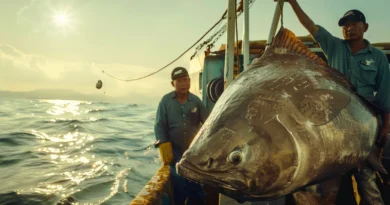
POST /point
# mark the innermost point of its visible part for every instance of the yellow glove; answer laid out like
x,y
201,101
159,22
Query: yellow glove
x,y
166,153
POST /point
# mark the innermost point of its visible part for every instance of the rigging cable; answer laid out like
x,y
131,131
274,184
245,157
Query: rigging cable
x,y
220,33
134,79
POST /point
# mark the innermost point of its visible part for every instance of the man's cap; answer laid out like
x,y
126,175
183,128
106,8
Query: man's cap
x,y
353,15
178,72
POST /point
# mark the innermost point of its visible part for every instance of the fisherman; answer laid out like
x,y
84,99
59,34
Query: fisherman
x,y
178,119
367,68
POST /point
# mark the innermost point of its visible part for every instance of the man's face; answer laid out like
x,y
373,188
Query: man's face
x,y
354,30
181,84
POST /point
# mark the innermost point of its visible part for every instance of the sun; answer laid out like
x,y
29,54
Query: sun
x,y
61,19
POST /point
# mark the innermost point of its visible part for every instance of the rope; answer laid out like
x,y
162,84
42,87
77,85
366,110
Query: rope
x,y
218,34
219,31
281,12
215,37
134,79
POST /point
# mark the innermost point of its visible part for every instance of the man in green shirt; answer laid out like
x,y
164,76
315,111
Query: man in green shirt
x,y
367,68
179,116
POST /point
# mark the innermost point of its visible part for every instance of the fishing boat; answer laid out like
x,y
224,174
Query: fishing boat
x,y
210,72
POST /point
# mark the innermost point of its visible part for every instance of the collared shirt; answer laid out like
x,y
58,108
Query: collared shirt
x,y
368,69
179,123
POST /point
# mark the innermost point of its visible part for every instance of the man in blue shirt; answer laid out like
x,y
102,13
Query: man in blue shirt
x,y
179,116
367,68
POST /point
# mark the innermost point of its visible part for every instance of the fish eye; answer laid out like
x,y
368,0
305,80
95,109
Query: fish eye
x,y
235,157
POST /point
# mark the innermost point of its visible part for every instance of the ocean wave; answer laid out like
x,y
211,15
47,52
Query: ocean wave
x,y
76,151
96,111
19,134
16,157
13,197
143,148
15,138
64,102
75,121
98,191
74,137
4,114
9,162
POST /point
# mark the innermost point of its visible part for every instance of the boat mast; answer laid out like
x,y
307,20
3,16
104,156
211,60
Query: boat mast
x,y
245,43
229,51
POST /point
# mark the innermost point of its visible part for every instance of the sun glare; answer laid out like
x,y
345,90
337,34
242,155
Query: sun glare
x,y
61,19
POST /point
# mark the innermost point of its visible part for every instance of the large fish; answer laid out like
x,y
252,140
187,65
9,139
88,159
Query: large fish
x,y
287,122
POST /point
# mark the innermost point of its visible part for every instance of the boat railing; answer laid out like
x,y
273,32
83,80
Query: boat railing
x,y
157,191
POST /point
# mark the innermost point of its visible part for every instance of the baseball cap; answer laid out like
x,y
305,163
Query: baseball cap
x,y
178,72
353,15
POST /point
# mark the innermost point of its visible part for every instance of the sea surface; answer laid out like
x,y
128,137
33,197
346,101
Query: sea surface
x,y
58,151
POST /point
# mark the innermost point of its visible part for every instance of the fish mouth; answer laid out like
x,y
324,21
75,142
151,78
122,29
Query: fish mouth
x,y
235,189
189,171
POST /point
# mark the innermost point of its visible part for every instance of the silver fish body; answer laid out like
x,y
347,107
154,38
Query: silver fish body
x,y
287,122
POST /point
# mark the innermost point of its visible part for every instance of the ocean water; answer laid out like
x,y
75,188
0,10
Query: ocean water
x,y
75,152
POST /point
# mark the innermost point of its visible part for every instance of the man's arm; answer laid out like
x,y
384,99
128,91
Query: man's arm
x,y
382,98
326,40
161,134
303,17
161,124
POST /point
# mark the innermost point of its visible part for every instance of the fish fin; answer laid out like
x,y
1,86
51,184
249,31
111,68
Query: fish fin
x,y
286,41
320,106
308,198
322,193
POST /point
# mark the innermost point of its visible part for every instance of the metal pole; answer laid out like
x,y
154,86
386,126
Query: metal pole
x,y
229,51
245,43
275,21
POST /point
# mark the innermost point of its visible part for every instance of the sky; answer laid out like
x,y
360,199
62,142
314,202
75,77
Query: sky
x,y
64,44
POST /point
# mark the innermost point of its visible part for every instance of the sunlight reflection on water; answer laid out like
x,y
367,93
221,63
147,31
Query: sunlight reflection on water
x,y
67,150
87,153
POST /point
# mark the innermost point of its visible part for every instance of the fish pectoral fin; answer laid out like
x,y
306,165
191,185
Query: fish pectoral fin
x,y
320,106
323,193
308,198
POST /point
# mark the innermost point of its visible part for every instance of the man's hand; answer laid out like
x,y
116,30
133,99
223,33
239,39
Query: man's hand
x,y
303,17
166,153
382,138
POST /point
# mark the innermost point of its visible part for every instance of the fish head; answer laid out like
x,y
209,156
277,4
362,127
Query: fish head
x,y
239,158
